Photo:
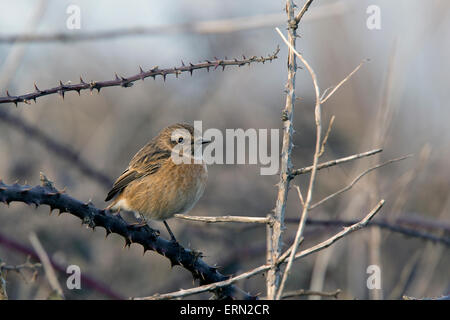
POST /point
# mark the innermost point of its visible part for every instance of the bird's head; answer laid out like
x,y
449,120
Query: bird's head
x,y
180,136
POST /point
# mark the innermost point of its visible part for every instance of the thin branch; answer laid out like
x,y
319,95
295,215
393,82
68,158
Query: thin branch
x,y
128,82
212,27
301,13
348,187
325,244
393,227
48,268
331,163
300,196
396,227
325,138
58,148
303,292
47,194
18,268
323,100
267,267
241,219
445,297
87,280
318,121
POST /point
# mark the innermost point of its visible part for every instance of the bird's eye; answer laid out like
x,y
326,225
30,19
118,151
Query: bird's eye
x,y
180,139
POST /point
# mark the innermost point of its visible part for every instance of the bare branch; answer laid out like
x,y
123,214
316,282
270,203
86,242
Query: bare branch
x,y
331,163
416,231
323,100
303,292
393,227
267,267
87,280
275,230
300,196
241,219
318,121
214,27
56,147
128,81
301,13
325,138
445,297
325,244
48,268
92,217
17,268
348,187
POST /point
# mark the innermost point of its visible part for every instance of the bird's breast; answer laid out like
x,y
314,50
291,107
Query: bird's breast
x,y
172,189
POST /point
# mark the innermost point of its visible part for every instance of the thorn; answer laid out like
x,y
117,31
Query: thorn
x,y
141,72
127,243
213,269
117,77
45,182
182,63
173,263
61,93
82,81
61,84
36,88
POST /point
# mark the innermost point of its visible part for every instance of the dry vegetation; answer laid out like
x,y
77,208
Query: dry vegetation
x,y
394,102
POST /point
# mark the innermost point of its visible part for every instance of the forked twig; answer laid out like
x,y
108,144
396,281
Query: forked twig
x,y
354,181
264,268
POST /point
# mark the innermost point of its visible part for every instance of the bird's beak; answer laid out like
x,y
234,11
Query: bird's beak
x,y
206,141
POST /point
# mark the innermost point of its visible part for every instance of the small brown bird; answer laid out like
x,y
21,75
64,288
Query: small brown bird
x,y
154,186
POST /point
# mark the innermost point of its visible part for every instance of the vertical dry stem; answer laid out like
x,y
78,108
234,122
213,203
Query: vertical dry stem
x,y
275,231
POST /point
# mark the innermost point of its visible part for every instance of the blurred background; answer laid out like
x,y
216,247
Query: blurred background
x,y
397,101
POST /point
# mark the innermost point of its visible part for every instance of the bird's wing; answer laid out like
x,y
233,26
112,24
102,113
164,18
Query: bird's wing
x,y
147,161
